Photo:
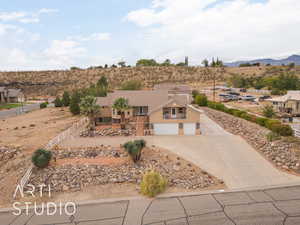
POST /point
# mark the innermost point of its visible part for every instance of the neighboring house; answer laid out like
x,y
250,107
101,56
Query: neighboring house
x,y
174,88
8,95
289,103
152,112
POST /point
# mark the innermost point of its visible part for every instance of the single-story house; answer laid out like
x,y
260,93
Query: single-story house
x,y
289,103
153,112
8,95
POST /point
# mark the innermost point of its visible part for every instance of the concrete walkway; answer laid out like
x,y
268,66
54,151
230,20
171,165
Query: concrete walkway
x,y
265,206
226,156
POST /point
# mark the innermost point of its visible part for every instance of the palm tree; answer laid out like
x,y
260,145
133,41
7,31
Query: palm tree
x,y
89,108
121,105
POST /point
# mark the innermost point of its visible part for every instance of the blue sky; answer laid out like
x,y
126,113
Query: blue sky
x,y
58,34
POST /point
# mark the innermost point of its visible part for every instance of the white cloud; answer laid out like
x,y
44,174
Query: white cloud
x,y
25,17
92,37
63,53
229,29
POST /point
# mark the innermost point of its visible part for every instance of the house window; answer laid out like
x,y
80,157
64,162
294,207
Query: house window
x,y
173,111
180,125
181,110
197,126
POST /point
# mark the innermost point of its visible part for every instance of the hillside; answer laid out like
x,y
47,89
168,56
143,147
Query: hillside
x,y
275,62
36,83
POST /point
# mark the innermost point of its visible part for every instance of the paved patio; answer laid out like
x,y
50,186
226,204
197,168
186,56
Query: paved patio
x,y
269,206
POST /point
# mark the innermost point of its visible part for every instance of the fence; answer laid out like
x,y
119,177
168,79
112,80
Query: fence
x,y
296,128
26,177
76,129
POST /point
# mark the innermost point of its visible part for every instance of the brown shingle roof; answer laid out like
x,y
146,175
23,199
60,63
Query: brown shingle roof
x,y
152,99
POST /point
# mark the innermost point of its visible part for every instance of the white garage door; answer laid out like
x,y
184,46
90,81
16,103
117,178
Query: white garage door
x,y
165,128
189,128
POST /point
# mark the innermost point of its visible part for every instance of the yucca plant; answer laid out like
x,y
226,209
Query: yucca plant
x,y
134,149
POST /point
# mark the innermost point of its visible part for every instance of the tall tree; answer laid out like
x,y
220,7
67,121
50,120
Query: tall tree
x,y
205,63
122,64
74,103
121,105
66,98
146,62
89,108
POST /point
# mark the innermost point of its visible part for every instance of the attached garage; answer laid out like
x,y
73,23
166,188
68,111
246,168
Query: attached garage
x,y
189,128
165,128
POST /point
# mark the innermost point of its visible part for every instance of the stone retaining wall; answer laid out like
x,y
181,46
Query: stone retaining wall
x,y
178,172
280,152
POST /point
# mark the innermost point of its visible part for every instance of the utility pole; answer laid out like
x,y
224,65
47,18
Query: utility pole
x,y
214,91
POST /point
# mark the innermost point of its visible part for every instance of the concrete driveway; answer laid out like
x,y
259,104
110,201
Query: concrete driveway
x,y
226,156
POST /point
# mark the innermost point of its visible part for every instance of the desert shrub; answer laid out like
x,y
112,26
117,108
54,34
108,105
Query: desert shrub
x,y
279,128
217,106
272,136
238,113
153,184
261,121
134,149
41,158
201,100
43,105
58,102
274,125
282,129
268,111
195,93
270,123
132,85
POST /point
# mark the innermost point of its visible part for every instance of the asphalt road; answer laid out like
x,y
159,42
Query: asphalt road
x,y
17,111
266,206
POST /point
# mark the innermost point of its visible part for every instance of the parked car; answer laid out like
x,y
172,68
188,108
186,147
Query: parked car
x,y
243,90
248,98
262,98
234,93
227,98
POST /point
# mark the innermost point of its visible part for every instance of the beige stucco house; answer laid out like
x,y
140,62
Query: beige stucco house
x,y
155,112
288,104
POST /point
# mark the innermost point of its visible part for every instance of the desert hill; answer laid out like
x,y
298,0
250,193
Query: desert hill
x,y
55,82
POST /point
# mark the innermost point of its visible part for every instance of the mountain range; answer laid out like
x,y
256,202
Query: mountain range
x,y
291,59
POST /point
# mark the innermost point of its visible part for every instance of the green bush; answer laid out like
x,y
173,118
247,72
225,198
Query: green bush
x,y
274,125
201,100
153,184
58,102
43,105
273,136
261,121
268,111
282,129
41,158
132,85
